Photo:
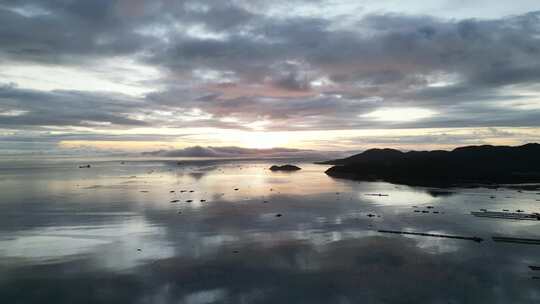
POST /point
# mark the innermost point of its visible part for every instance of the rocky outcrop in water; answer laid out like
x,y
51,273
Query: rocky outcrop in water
x,y
285,168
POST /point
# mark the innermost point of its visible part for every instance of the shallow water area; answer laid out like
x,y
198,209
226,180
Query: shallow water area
x,y
232,231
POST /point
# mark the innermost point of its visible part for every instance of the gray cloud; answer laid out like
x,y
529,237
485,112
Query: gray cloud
x,y
65,108
390,57
66,32
296,72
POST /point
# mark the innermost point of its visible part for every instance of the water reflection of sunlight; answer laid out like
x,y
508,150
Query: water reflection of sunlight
x,y
256,180
394,195
435,245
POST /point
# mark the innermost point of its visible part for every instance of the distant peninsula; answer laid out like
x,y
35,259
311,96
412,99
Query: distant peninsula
x,y
461,166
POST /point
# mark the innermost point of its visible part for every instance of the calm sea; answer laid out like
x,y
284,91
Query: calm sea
x,y
217,231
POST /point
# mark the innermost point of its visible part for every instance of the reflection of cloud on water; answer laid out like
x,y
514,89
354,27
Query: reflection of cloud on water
x,y
440,193
81,245
111,245
372,269
197,175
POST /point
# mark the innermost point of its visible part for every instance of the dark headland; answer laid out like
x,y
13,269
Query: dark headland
x,y
461,166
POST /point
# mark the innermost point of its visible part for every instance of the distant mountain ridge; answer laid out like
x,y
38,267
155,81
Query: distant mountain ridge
x,y
240,152
470,164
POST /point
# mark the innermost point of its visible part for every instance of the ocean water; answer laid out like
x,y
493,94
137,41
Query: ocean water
x,y
235,232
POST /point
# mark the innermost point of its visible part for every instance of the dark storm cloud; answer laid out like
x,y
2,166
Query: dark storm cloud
x,y
304,72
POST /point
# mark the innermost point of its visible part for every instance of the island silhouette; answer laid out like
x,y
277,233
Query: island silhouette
x,y
462,166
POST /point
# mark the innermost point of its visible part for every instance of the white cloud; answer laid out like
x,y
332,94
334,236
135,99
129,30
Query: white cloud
x,y
399,114
118,75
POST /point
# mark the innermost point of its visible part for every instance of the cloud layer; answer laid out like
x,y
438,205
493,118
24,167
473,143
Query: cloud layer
x,y
255,66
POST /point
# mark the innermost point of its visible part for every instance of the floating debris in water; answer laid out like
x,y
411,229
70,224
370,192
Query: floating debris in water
x,y
506,215
278,215
376,194
202,201
172,191
439,193
189,201
143,191
516,240
474,238
84,166
236,189
175,201
535,268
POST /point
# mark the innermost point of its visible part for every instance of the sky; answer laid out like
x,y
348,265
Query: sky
x,y
332,75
